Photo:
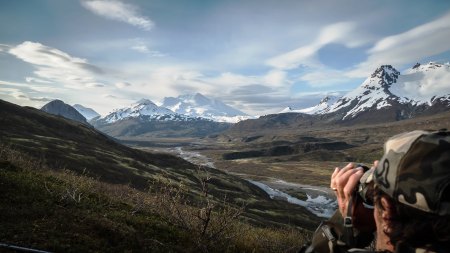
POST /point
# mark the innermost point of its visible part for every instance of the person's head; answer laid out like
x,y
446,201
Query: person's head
x,y
412,190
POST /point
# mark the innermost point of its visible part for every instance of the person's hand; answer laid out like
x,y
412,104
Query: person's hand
x,y
344,182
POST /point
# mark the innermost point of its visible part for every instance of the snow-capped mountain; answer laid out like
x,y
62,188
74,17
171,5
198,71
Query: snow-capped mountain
x,y
324,104
181,108
197,105
373,92
147,119
143,107
88,113
420,89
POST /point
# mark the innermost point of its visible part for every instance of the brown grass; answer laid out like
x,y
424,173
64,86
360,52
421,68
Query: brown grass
x,y
165,218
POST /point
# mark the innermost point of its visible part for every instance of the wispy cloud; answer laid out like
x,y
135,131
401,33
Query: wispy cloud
x,y
323,77
141,47
56,66
405,48
271,79
91,85
20,95
122,84
4,47
116,10
35,80
343,33
315,73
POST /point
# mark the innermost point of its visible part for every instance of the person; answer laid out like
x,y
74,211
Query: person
x,y
409,191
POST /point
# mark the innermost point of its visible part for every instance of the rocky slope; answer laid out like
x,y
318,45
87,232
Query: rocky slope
x,y
88,113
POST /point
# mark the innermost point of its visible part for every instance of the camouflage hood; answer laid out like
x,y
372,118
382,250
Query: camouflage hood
x,y
415,170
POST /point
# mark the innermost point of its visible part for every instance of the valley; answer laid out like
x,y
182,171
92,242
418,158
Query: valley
x,y
299,170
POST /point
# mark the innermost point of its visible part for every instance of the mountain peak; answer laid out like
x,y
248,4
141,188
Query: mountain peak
x,y
58,107
387,74
198,105
326,99
56,102
145,101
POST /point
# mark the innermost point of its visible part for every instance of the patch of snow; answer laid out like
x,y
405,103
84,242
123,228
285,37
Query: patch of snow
x,y
143,107
197,105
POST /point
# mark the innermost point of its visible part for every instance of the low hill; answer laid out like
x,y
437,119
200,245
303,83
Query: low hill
x,y
148,127
58,107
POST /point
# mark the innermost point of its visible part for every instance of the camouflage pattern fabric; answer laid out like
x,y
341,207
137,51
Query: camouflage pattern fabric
x,y
415,170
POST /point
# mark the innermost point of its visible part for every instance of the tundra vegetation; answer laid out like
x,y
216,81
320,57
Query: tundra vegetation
x,y
62,211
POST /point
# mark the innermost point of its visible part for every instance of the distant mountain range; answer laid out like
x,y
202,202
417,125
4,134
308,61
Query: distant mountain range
x,y
182,108
385,96
184,116
189,115
388,95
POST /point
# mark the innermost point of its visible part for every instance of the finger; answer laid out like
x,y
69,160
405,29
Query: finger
x,y
342,181
346,168
335,172
333,176
352,182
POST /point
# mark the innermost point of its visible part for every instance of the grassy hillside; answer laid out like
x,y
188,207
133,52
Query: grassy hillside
x,y
60,211
91,187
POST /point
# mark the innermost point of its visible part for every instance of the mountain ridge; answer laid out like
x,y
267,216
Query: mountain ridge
x,y
386,89
186,107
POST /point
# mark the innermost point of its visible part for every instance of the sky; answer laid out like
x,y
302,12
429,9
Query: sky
x,y
258,56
